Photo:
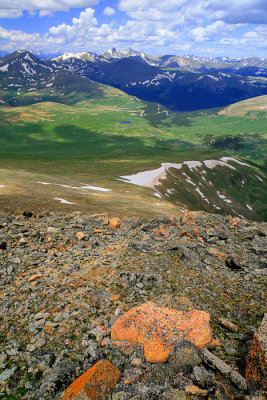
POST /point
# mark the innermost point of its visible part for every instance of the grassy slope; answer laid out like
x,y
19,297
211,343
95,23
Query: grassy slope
x,y
88,143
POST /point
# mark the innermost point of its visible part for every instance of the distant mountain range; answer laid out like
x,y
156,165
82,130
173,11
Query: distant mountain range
x,y
180,83
190,62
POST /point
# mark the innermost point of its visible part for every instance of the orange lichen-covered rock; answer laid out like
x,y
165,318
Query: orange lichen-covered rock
x,y
256,363
115,223
95,384
189,217
235,221
80,235
157,329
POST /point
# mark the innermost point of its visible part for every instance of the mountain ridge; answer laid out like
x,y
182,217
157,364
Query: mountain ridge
x,y
179,89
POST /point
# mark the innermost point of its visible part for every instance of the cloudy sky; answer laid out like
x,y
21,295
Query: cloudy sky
x,y
235,28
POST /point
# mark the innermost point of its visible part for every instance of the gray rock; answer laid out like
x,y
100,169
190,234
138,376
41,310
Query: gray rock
x,y
216,363
201,376
189,257
259,395
7,374
60,377
184,356
92,352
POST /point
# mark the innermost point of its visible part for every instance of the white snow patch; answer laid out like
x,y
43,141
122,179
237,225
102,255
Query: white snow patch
x,y
94,188
223,74
63,201
85,187
28,69
201,194
49,84
44,183
189,181
222,196
259,178
4,68
146,178
2,185
27,57
249,207
214,163
192,164
213,77
225,159
157,195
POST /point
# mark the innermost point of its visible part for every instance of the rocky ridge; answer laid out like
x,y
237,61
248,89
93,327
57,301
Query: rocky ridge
x,y
66,279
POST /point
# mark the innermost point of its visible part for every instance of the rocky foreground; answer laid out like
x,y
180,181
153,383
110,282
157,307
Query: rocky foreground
x,y
98,308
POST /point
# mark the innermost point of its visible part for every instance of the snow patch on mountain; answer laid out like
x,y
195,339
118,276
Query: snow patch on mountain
x,y
225,159
223,197
28,70
214,163
4,68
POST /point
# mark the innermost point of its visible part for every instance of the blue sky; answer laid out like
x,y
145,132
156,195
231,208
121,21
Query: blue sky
x,y
235,28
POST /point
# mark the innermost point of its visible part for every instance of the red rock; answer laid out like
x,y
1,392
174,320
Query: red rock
x,y
95,384
115,223
256,363
157,329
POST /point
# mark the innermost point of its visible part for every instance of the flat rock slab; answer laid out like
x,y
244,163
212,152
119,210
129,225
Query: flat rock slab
x,y
216,363
95,384
157,329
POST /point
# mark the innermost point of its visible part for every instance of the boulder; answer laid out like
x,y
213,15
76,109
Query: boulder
x,y
256,363
115,223
95,384
189,217
157,329
80,235
184,356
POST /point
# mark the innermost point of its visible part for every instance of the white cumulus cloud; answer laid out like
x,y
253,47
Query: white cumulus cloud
x,y
109,11
15,8
154,26
210,32
250,40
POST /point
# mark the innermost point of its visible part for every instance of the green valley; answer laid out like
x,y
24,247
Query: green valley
x,y
94,134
